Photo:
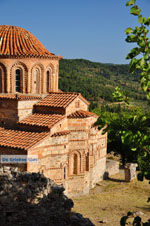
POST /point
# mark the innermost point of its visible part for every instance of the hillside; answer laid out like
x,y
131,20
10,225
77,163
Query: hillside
x,y
96,81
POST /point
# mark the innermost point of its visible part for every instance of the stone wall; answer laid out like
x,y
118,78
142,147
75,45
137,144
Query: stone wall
x,y
30,199
56,157
112,167
8,112
25,108
13,111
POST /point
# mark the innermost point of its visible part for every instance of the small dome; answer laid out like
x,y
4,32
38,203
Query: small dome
x,y
18,42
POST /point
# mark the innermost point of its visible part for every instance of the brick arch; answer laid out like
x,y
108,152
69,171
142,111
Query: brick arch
x,y
3,78
24,76
64,167
74,162
52,79
39,67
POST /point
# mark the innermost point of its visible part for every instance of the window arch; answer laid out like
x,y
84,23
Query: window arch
x,y
36,81
75,163
2,78
18,80
50,78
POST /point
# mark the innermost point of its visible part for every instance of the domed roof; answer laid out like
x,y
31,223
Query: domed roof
x,y
18,42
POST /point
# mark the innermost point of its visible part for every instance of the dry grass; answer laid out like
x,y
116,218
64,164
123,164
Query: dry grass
x,y
112,199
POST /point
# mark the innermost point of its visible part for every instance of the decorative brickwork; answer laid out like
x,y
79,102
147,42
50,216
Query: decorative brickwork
x,y
38,119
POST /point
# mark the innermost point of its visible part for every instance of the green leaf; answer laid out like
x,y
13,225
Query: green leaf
x,y
148,96
144,86
134,52
131,2
133,149
128,30
147,21
135,10
133,65
131,38
141,19
142,61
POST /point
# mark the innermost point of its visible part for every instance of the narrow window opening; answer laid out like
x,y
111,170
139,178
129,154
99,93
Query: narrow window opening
x,y
87,162
18,75
75,164
64,172
48,83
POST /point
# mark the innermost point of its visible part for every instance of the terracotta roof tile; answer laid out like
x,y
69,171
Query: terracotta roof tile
x,y
19,139
16,41
61,133
82,114
19,97
58,99
43,120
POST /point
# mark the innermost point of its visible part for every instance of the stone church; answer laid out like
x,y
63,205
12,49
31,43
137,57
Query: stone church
x,y
36,118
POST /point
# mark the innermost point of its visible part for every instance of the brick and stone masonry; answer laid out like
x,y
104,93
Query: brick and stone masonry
x,y
36,118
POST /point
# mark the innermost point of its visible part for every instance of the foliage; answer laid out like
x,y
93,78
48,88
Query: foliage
x,y
140,55
138,35
127,131
96,81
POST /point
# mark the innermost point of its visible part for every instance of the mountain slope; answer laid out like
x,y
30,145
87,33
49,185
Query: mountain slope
x,y
97,81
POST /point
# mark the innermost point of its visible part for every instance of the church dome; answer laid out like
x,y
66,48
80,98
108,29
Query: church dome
x,y
18,42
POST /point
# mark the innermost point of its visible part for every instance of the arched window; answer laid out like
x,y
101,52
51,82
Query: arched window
x,y
18,80
47,81
36,81
2,79
75,164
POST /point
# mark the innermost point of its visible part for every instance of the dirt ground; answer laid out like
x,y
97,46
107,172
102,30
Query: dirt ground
x,y
113,198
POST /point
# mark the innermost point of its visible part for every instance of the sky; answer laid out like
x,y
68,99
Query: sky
x,y
88,29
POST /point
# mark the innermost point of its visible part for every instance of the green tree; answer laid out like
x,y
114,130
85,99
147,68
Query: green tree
x,y
140,59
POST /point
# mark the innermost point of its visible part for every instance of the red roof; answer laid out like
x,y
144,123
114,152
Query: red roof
x,y
82,114
43,120
16,41
19,139
60,99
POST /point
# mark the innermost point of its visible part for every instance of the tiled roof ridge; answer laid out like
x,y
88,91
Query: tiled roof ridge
x,y
62,92
82,114
18,42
